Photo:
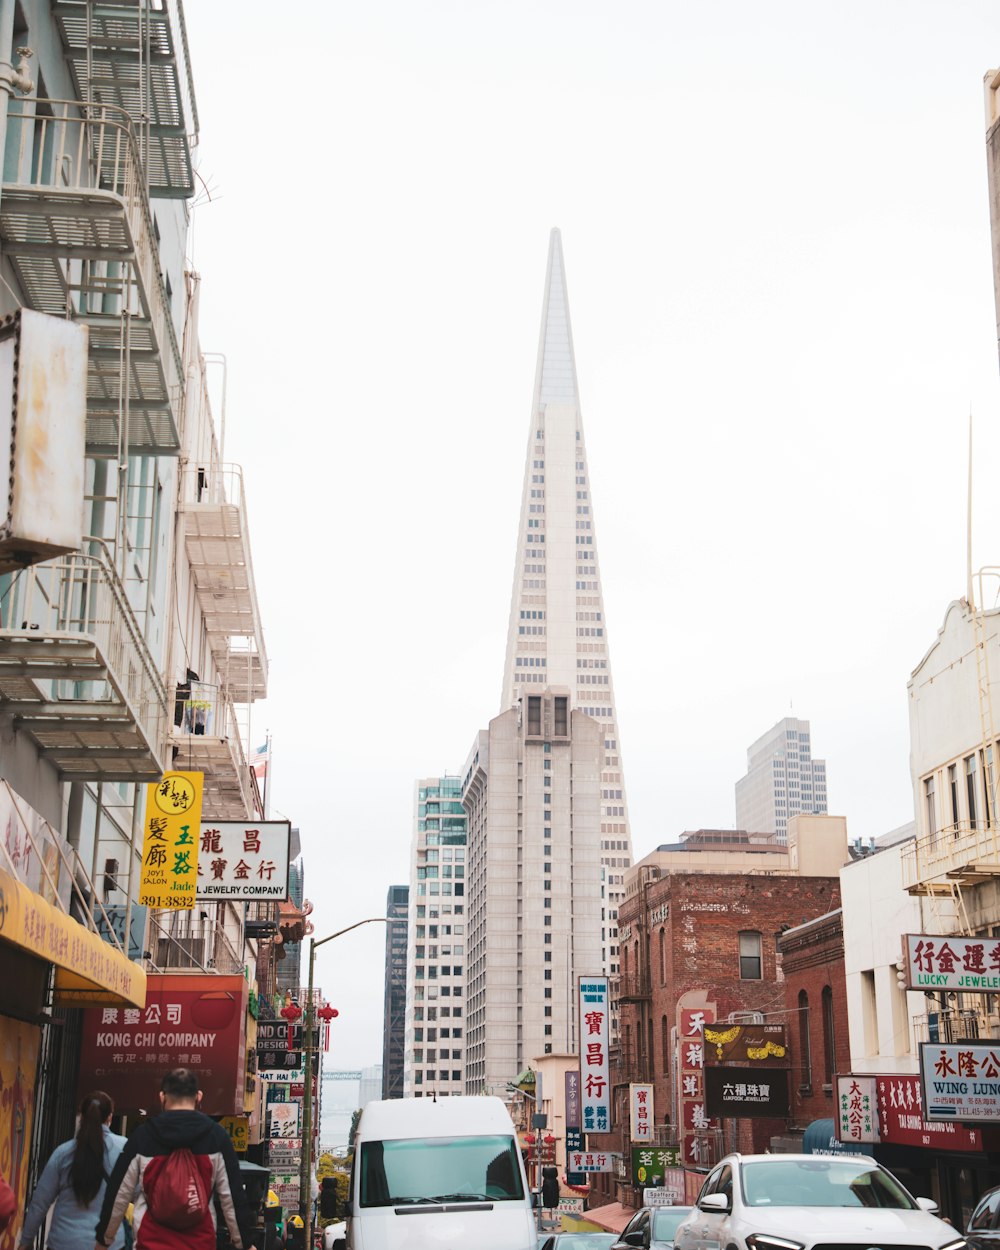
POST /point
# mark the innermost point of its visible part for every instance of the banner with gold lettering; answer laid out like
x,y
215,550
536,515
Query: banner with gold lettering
x,y
170,843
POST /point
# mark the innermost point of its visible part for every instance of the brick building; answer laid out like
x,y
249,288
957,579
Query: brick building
x,y
700,940
812,957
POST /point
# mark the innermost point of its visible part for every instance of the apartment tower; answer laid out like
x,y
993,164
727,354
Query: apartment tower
x,y
782,780
549,837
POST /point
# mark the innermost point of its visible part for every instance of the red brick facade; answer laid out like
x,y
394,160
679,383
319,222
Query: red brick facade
x,y
816,1001
680,947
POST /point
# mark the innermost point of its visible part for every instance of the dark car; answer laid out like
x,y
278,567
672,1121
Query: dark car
x,y
982,1232
652,1228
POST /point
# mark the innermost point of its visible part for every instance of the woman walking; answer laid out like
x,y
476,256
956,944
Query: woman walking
x,y
74,1179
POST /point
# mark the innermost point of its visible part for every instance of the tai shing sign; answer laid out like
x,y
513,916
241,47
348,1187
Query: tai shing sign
x,y
595,1087
641,1103
971,965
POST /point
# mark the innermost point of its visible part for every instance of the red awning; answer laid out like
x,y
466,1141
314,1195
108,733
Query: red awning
x,y
612,1218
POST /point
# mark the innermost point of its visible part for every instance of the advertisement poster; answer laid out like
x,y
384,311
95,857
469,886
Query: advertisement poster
x,y
189,1021
748,1045
169,875
595,1086
243,862
19,1045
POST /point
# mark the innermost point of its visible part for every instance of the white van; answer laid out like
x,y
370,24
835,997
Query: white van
x,y
443,1173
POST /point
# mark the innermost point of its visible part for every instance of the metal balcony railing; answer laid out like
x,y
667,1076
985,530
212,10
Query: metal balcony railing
x,y
75,670
955,1026
76,223
209,740
631,986
959,852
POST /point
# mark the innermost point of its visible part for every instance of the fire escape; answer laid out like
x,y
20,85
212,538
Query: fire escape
x,y
77,228
212,732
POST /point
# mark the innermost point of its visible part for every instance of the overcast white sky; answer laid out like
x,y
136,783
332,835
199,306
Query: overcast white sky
x,y
776,236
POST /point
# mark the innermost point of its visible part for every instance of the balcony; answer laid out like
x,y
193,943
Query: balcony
x,y
75,671
961,854
955,1026
134,55
217,538
208,740
631,987
630,1064
76,225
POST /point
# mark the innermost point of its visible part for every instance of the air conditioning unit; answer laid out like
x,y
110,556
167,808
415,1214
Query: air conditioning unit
x,y
745,1017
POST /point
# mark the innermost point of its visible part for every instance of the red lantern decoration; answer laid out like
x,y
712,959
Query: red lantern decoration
x,y
291,1012
549,1139
529,1138
327,1013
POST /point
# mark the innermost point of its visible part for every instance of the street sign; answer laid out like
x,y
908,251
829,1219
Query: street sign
x,y
243,862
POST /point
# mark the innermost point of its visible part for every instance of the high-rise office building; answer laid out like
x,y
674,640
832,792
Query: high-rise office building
x,y
558,633
782,779
436,937
394,1018
549,837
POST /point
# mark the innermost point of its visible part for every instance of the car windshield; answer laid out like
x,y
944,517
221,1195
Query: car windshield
x,y
821,1182
440,1169
665,1221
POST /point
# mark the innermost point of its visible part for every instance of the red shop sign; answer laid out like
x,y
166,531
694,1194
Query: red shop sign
x,y
189,1021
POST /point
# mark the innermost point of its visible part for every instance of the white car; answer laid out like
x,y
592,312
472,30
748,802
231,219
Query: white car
x,y
810,1202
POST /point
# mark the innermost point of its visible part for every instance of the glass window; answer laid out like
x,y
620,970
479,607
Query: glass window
x,y
750,957
819,1182
413,1170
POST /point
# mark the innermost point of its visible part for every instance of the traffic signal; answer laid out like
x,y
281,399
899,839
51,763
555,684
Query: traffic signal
x,y
328,1198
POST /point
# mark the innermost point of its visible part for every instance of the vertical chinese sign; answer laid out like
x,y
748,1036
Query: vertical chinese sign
x,y
857,1109
170,842
574,1122
595,1085
641,1105
695,1150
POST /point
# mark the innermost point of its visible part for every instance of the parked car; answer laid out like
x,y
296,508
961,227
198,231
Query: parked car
x,y
576,1241
809,1202
982,1232
652,1228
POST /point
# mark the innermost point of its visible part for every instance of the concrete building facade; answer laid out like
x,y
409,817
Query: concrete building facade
x,y
394,1011
782,779
435,1023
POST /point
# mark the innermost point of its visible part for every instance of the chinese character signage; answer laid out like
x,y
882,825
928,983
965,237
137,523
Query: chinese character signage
x,y
901,1119
595,1089
752,1045
189,1021
241,862
641,1103
961,1082
284,1118
694,1119
750,1092
572,1089
170,842
971,965
857,1115
590,1160
650,1164
276,1035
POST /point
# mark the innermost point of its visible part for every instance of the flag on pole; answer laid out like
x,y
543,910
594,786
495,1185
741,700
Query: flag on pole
x,y
259,760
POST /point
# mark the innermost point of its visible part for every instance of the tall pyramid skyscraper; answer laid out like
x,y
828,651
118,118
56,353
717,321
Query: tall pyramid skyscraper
x,y
542,790
558,633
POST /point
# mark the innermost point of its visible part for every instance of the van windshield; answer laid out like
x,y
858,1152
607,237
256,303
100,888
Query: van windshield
x,y
440,1169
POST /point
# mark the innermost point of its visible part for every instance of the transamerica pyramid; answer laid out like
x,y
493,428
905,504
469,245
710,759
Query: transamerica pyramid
x,y
558,632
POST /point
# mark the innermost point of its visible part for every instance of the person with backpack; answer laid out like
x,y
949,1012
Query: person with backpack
x,y
173,1166
74,1180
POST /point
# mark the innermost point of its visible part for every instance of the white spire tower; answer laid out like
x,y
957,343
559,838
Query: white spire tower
x,y
558,633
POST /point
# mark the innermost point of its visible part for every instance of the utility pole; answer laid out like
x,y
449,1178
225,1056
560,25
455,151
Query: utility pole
x,y
305,1172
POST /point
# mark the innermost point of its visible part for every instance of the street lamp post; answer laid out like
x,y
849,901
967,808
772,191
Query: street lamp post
x,y
305,1172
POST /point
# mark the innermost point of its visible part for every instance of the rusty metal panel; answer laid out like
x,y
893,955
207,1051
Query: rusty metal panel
x,y
43,418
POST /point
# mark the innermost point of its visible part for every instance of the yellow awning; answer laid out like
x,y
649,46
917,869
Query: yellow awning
x,y
88,969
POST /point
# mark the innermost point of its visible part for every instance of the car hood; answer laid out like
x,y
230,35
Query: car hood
x,y
871,1225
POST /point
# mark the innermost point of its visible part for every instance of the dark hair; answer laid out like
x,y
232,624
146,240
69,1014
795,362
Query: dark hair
x,y
86,1172
180,1083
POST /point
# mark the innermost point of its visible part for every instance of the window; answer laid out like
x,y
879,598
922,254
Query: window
x,y
869,1011
829,1058
970,790
953,793
750,957
561,724
665,1043
534,714
929,807
663,957
805,1051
